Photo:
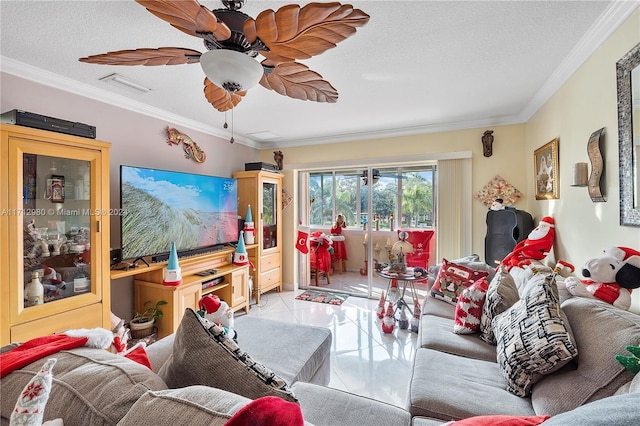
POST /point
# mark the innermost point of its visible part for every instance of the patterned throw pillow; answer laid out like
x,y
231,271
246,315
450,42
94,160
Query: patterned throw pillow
x,y
203,354
469,308
502,294
532,338
452,279
29,410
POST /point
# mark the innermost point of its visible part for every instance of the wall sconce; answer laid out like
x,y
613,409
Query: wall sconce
x,y
580,174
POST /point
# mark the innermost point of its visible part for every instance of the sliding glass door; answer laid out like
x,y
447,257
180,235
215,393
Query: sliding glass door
x,y
374,202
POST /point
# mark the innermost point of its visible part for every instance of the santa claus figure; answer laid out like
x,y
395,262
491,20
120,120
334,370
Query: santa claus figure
x,y
218,311
388,322
380,308
536,247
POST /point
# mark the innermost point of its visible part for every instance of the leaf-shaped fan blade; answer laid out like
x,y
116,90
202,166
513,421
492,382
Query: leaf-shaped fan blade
x,y
150,57
294,33
220,98
188,16
298,81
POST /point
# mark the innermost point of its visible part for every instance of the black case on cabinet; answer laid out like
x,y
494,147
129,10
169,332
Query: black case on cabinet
x,y
505,228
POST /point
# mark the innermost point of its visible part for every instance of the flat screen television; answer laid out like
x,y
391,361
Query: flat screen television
x,y
160,207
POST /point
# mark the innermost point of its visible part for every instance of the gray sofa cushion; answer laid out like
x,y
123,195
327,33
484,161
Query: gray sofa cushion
x,y
601,331
502,294
89,386
196,405
331,407
306,348
619,410
439,308
193,405
451,387
437,334
201,355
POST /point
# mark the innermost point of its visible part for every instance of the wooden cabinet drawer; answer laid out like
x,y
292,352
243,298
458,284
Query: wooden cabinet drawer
x,y
270,261
270,279
85,317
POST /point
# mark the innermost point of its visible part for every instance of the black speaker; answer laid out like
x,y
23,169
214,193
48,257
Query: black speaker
x,y
115,256
505,228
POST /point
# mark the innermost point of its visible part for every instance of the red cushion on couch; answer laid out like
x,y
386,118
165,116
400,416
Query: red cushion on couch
x,y
452,279
501,420
268,410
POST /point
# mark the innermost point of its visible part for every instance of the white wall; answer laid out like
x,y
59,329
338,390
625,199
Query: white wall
x,y
506,161
584,104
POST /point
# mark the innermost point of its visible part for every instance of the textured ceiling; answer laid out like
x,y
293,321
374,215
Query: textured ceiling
x,y
416,67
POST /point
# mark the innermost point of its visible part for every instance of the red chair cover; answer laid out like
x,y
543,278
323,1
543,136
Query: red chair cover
x,y
419,239
319,255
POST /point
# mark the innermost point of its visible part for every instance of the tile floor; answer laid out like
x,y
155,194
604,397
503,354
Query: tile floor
x,y
364,360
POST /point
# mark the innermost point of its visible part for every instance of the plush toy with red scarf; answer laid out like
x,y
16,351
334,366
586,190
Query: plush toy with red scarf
x,y
610,277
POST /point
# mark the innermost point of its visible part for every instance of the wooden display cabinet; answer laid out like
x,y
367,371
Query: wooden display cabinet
x,y
149,287
55,213
263,191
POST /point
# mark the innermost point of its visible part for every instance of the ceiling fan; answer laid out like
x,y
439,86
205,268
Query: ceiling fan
x,y
233,39
376,175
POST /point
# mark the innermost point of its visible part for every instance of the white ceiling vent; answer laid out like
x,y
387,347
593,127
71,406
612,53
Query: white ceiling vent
x,y
124,83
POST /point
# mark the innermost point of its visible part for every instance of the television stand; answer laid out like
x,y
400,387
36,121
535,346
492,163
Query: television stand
x,y
233,287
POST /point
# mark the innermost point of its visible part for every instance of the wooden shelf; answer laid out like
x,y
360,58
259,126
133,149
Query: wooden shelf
x,y
149,286
187,264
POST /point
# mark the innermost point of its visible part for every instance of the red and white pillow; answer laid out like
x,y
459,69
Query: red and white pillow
x,y
452,279
469,307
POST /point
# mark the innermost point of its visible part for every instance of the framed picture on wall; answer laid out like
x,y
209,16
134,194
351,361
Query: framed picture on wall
x,y
545,161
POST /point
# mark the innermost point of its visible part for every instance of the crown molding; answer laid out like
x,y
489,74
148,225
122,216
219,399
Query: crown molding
x,y
608,22
394,133
47,78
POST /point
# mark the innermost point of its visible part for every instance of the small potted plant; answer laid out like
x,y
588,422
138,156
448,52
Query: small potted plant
x,y
141,324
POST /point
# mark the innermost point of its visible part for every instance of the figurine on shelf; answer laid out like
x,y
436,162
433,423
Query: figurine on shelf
x,y
497,204
391,222
338,225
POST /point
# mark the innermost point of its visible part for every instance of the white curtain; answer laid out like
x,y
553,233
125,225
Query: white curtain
x,y
303,218
453,237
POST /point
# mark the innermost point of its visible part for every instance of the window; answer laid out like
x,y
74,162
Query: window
x,y
404,195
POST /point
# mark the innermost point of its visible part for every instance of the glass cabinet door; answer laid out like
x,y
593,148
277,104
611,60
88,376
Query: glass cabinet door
x,y
269,215
55,215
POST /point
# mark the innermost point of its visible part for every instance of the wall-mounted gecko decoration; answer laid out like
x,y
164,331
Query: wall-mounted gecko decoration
x,y
191,148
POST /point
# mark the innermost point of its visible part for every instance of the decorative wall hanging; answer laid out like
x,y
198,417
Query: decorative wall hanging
x,y
487,143
286,199
278,156
190,147
597,167
498,188
545,168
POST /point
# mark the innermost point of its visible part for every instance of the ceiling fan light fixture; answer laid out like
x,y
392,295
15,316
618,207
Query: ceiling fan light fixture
x,y
231,70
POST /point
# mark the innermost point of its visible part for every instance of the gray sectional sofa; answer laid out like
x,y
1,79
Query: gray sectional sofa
x,y
454,376
94,387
